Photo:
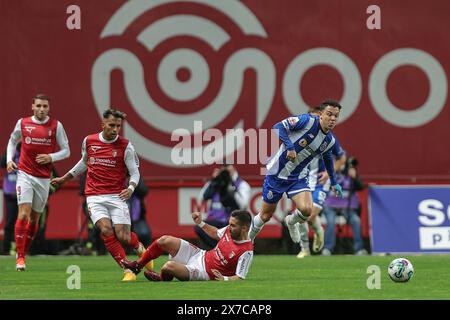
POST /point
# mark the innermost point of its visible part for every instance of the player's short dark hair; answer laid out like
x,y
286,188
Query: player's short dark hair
x,y
41,96
243,216
314,109
115,113
329,102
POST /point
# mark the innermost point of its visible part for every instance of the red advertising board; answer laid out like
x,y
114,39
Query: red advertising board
x,y
235,64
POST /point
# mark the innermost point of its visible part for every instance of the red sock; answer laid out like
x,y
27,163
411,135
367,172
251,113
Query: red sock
x,y
32,229
134,241
114,248
20,233
153,252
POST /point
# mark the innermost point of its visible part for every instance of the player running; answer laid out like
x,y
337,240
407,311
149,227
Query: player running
x,y
320,187
304,137
39,135
109,159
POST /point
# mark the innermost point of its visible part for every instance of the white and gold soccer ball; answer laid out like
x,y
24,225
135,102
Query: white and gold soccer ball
x,y
400,270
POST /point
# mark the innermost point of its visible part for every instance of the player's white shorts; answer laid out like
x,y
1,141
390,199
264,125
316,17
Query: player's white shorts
x,y
108,206
30,189
194,259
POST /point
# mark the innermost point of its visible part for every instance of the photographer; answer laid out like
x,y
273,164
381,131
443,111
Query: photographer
x,y
227,192
348,206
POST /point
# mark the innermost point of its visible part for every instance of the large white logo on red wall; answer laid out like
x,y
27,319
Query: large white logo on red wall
x,y
186,59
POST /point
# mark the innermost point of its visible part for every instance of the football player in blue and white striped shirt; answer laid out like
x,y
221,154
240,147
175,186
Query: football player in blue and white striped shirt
x,y
320,186
304,137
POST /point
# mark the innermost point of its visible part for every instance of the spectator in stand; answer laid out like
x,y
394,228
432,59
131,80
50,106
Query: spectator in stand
x,y
348,206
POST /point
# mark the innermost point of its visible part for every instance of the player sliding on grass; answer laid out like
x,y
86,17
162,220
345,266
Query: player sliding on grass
x,y
229,260
304,137
108,159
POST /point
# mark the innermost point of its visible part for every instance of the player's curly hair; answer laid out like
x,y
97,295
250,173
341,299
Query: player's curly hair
x,y
115,113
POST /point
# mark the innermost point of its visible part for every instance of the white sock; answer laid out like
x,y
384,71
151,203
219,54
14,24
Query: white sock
x,y
304,239
316,225
257,225
297,216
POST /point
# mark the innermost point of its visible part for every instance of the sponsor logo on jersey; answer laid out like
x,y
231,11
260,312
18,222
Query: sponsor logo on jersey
x,y
222,259
303,143
29,128
38,141
19,190
95,148
311,136
310,150
103,162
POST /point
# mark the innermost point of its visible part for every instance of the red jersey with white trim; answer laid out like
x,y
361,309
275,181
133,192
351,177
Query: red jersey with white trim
x,y
37,139
226,256
106,168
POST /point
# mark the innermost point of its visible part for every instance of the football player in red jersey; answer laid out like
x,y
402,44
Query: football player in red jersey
x,y
109,159
39,135
229,260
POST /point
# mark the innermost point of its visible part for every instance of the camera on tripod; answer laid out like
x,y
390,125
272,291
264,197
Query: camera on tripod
x,y
222,180
351,162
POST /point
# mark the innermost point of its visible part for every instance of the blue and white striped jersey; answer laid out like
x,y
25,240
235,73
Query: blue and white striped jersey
x,y
303,134
317,165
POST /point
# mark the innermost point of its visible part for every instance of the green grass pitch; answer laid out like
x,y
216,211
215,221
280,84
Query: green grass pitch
x,y
275,277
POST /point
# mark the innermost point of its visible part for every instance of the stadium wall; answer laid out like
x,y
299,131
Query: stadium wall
x,y
251,64
169,204
231,64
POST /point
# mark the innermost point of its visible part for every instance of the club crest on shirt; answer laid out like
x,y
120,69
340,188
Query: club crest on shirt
x,y
114,153
29,128
231,255
303,143
323,146
269,195
95,148
27,140
50,132
92,160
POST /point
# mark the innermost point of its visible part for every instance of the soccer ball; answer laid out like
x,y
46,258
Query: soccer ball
x,y
400,270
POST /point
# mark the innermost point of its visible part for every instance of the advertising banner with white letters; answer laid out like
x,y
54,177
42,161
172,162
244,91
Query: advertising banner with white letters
x,y
188,71
410,218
